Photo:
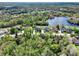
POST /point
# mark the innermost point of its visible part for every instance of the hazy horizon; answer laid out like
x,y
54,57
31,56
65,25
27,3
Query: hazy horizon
x,y
39,3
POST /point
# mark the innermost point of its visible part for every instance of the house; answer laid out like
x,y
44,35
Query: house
x,y
74,40
66,30
46,29
77,37
3,32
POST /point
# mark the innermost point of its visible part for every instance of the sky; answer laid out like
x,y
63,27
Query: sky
x,y
39,0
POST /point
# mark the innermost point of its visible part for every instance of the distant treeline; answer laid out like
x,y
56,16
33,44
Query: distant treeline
x,y
39,4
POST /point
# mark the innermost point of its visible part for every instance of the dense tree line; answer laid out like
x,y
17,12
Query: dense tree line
x,y
32,43
37,44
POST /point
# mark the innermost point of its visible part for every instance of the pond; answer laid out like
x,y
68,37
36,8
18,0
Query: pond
x,y
60,21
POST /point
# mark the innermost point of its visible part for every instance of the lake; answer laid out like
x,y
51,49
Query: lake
x,y
60,21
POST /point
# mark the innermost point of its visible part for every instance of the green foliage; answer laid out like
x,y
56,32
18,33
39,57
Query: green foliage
x,y
58,27
71,50
13,30
7,38
27,32
9,48
38,44
55,48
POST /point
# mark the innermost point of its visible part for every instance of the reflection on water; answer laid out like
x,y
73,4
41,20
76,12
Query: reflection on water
x,y
59,21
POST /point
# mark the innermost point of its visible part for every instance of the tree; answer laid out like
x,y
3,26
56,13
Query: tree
x,y
20,22
58,27
55,48
7,38
13,30
28,32
71,50
7,49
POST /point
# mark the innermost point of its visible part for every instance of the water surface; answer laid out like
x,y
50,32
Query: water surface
x,y
60,21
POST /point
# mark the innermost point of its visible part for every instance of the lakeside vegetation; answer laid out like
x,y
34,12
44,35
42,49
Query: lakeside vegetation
x,y
73,21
